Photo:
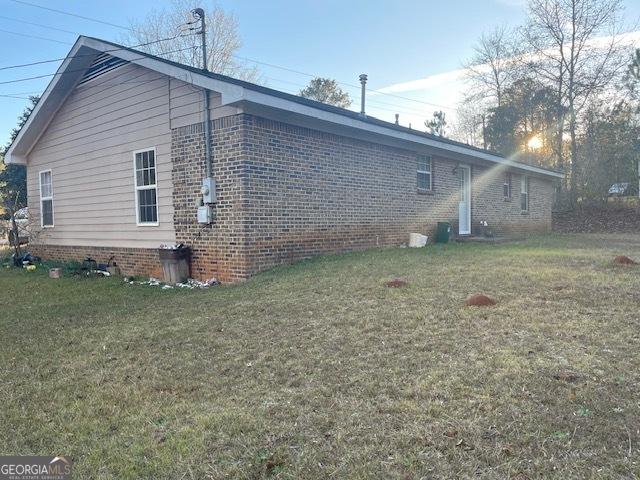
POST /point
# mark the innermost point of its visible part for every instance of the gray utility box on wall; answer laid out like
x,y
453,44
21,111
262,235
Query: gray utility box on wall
x,y
175,264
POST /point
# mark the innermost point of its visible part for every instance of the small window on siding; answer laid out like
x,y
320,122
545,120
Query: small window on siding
x,y
424,172
46,199
524,193
506,187
146,187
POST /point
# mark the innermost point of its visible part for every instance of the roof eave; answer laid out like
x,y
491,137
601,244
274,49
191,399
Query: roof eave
x,y
260,98
12,158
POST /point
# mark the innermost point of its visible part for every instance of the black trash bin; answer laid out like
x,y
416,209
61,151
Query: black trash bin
x,y
175,264
443,232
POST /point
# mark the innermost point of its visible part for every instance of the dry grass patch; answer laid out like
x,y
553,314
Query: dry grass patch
x,y
318,370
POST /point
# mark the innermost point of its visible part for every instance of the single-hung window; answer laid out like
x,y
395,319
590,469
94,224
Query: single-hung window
x,y
146,187
46,199
506,187
524,193
424,172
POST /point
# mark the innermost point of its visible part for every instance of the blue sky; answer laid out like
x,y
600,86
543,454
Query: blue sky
x,y
393,42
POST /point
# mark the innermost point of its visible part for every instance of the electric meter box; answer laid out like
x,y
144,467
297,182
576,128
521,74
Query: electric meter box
x,y
208,190
205,214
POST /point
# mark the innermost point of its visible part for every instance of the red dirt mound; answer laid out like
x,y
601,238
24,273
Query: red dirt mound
x,y
396,283
479,300
622,260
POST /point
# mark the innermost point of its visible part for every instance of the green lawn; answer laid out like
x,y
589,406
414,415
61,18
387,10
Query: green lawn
x,y
318,370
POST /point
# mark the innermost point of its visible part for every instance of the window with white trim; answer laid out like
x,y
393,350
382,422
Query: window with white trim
x,y
46,199
146,187
424,172
506,187
524,193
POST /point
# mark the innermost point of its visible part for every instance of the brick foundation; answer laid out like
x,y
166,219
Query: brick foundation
x,y
132,261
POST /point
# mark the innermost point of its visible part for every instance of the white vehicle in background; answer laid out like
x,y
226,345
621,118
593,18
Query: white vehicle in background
x,y
22,224
618,189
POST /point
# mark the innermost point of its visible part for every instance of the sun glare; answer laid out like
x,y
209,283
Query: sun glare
x,y
534,142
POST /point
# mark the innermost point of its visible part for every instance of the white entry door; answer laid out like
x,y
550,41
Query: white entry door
x,y
464,205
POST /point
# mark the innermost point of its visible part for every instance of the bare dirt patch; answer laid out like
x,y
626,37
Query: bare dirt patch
x,y
623,260
479,300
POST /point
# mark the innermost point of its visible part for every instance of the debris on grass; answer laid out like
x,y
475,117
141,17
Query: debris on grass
x,y
464,445
479,300
396,283
566,376
189,284
622,260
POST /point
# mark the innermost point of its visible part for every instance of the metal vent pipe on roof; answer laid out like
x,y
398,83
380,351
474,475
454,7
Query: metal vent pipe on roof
x,y
363,82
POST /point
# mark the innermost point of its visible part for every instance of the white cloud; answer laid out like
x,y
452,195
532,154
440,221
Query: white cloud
x,y
442,91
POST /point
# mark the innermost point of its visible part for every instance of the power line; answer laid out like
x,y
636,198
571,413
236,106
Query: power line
x,y
38,25
13,96
35,36
71,14
448,107
76,70
8,67
357,87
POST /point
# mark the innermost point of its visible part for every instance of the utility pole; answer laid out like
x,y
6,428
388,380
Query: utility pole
x,y
484,132
199,14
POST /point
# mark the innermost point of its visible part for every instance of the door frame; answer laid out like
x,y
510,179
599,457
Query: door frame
x,y
468,201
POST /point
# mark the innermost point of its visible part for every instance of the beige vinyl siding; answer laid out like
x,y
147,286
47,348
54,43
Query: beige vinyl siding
x,y
89,147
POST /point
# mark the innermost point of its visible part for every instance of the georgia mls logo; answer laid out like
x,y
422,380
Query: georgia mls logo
x,y
35,468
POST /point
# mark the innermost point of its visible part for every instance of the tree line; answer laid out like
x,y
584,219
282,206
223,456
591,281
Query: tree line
x,y
561,91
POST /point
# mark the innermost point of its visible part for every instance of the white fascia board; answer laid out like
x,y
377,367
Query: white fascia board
x,y
288,105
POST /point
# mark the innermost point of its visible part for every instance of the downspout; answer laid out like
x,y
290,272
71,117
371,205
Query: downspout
x,y
207,134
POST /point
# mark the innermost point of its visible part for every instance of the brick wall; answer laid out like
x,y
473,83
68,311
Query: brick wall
x,y
287,192
504,215
217,249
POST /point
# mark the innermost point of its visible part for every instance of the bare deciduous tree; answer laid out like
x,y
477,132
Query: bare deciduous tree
x,y
176,23
468,125
491,68
575,46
